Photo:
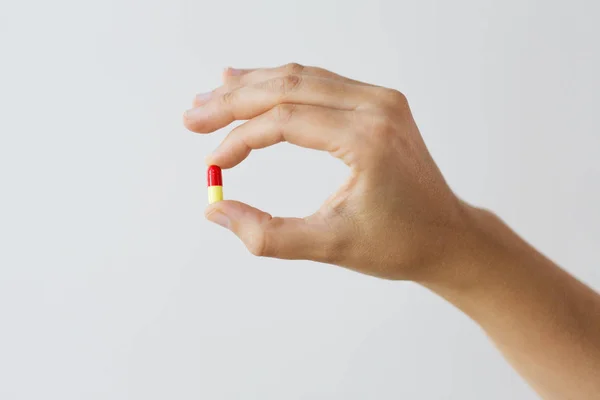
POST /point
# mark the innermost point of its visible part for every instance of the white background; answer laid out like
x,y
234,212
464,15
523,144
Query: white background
x,y
112,284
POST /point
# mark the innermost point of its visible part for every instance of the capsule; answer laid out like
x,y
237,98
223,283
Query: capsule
x,y
215,184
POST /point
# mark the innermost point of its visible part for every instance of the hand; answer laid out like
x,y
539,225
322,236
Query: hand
x,y
395,217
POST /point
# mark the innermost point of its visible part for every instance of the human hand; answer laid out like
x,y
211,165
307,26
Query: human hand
x,y
394,218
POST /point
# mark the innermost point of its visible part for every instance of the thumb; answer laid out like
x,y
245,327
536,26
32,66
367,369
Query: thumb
x,y
267,236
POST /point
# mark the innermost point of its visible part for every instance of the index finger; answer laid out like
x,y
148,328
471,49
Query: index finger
x,y
312,127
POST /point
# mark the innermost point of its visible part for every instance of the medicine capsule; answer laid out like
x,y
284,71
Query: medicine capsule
x,y
215,184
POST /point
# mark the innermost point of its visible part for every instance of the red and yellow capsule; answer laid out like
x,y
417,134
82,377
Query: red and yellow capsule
x,y
215,184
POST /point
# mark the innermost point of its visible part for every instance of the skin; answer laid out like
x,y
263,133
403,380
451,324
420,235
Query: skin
x,y
396,218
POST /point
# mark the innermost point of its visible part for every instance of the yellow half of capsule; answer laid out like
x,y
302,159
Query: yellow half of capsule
x,y
215,193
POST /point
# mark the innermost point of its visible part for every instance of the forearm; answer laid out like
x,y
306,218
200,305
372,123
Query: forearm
x,y
545,322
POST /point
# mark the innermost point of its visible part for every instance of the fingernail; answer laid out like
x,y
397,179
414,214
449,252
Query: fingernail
x,y
212,158
209,159
196,113
219,218
203,96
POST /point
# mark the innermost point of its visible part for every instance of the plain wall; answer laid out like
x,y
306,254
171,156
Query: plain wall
x,y
113,285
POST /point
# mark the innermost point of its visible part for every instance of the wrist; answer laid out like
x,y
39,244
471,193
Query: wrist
x,y
484,259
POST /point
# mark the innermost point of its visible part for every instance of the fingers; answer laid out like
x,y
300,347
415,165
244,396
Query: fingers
x,y
247,102
288,238
234,78
312,127
238,77
230,83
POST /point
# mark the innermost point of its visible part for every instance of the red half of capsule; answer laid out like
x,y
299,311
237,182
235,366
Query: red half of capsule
x,y
213,176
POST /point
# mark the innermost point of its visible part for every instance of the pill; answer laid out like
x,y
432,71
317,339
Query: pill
x,y
215,184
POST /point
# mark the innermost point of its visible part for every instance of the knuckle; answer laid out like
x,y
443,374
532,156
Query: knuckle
x,y
293,68
291,83
262,243
257,243
282,85
393,97
228,97
382,127
284,112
